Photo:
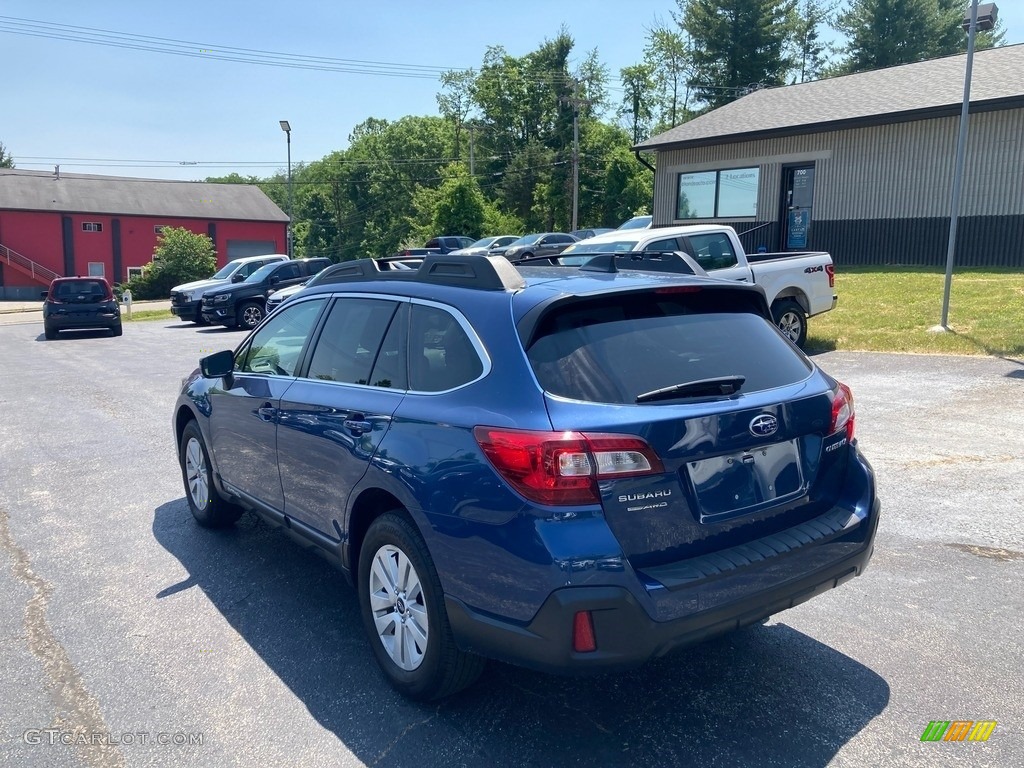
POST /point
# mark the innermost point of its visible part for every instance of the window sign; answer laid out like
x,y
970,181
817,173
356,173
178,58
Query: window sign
x,y
729,193
737,192
696,195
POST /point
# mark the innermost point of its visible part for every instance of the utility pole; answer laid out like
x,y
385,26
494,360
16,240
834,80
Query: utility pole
x,y
472,164
576,103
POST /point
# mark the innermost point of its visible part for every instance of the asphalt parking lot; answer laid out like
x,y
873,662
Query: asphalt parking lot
x,y
165,644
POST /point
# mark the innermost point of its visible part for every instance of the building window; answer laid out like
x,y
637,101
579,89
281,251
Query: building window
x,y
722,194
92,226
134,272
158,229
96,269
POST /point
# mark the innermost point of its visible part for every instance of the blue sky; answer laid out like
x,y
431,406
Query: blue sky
x,y
65,100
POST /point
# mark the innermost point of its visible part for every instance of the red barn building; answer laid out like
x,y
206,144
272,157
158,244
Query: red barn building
x,y
55,224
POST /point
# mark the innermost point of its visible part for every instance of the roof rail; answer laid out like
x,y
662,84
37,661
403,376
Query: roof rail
x,y
675,262
487,273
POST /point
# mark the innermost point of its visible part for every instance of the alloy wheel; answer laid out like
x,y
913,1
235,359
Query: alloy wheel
x,y
195,473
399,610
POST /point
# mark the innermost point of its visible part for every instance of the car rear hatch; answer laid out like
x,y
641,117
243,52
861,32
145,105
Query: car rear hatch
x,y
742,437
83,300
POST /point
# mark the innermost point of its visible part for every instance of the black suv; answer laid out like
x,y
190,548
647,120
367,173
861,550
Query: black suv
x,y
244,304
80,302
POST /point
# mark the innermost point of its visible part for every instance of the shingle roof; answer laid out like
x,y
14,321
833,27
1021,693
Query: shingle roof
x,y
882,95
84,193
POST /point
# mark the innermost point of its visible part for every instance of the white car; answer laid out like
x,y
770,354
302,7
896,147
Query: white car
x,y
486,245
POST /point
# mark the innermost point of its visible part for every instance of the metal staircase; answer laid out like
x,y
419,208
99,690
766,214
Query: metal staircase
x,y
26,266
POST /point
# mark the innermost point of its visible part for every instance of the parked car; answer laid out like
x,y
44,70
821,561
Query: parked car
x,y
277,298
445,244
538,244
487,245
187,298
637,222
565,469
244,304
797,285
583,234
80,303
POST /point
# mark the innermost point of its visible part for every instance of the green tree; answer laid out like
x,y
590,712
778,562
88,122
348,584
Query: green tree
x,y
180,256
636,107
6,161
809,51
885,33
737,44
668,57
455,101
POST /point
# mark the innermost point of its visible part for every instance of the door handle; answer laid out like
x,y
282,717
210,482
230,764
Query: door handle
x,y
266,412
357,426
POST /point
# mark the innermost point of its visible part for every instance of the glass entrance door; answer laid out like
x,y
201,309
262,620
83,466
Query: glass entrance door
x,y
797,205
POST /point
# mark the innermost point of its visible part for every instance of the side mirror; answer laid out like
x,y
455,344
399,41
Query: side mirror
x,y
217,365
275,279
237,277
44,294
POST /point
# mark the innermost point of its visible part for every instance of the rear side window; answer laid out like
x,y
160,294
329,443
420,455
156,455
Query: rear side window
x,y
441,356
352,337
613,349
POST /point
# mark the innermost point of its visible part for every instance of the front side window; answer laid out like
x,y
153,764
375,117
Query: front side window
x,y
730,193
713,251
275,348
350,343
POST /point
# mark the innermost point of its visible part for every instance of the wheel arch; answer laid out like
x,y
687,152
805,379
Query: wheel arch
x,y
370,504
796,294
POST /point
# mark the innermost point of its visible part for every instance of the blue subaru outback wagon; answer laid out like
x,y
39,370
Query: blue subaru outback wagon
x,y
570,469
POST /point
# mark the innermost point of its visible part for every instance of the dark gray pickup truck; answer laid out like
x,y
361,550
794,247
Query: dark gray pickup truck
x,y
443,245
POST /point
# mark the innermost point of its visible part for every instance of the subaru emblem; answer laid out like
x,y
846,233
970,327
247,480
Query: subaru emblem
x,y
763,425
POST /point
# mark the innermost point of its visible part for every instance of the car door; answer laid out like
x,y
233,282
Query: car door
x,y
243,410
287,274
554,244
334,416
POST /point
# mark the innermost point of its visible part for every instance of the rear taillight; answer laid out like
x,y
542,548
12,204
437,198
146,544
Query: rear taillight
x,y
564,467
842,411
830,270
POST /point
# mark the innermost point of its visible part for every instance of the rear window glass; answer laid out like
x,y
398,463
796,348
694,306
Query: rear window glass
x,y
613,349
82,290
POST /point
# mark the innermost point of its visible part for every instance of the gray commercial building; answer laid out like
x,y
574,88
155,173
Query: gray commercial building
x,y
859,165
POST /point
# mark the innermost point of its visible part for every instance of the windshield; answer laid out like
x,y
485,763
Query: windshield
x,y
526,240
224,272
484,242
637,222
260,274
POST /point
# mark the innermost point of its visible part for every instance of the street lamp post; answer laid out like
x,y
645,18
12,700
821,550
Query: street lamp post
x,y
288,131
983,18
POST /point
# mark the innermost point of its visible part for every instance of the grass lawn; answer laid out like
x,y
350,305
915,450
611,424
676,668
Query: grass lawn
x,y
890,309
148,314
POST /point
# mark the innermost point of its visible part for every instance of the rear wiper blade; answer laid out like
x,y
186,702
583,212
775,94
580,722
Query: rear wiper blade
x,y
720,386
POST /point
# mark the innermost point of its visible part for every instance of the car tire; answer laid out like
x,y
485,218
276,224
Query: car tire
x,y
250,315
404,615
208,507
199,319
791,319
50,333
116,330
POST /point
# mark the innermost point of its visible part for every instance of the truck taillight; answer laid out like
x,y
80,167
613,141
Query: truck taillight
x,y
830,270
561,468
842,411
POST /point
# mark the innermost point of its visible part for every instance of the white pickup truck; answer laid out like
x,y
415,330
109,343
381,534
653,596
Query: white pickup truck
x,y
797,285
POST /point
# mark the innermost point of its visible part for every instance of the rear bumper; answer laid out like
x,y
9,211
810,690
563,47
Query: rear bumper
x,y
62,322
626,634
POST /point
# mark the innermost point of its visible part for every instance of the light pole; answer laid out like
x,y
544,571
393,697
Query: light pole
x,y
983,18
288,131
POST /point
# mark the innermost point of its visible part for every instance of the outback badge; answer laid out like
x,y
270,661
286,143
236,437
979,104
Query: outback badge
x,y
763,425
